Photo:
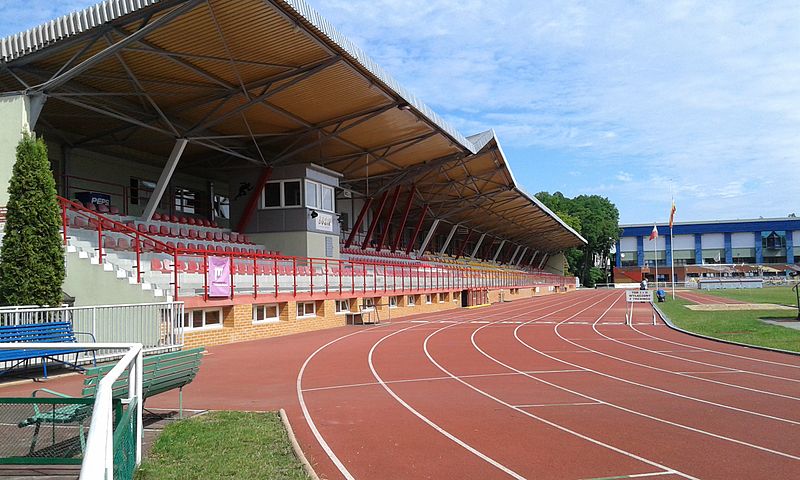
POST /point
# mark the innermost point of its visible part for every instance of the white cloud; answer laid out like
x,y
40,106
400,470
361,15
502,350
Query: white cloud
x,y
698,98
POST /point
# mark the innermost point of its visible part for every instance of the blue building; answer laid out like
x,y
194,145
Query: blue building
x,y
733,247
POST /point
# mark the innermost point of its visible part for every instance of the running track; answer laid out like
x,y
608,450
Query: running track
x,y
551,387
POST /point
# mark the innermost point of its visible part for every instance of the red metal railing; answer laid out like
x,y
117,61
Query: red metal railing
x,y
262,274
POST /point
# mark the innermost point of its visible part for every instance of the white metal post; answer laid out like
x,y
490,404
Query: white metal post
x,y
449,238
428,237
477,246
499,249
672,261
163,180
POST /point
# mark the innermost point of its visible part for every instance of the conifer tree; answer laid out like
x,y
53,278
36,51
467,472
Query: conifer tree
x,y
32,256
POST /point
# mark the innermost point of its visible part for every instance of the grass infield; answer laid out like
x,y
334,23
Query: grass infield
x,y
777,295
737,326
223,445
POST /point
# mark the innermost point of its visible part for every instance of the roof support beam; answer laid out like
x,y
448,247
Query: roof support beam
x,y
422,215
464,244
385,233
163,180
111,50
449,238
428,237
544,259
521,256
511,260
359,221
402,226
374,222
499,249
477,247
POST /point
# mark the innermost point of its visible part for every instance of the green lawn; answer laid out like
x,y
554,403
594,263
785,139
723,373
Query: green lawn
x,y
737,326
223,445
779,295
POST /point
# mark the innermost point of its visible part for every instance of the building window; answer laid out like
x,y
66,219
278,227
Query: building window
x,y
281,193
319,196
185,200
195,319
392,302
306,309
139,187
410,301
367,304
342,306
428,298
265,313
222,206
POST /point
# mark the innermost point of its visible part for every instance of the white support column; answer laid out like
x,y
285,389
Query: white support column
x,y
428,237
163,180
544,259
477,246
18,114
449,238
499,249
521,256
511,261
533,257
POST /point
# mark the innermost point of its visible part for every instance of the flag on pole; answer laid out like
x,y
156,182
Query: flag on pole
x,y
672,214
654,233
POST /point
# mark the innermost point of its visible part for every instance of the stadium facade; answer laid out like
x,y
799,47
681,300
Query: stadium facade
x,y
756,247
244,157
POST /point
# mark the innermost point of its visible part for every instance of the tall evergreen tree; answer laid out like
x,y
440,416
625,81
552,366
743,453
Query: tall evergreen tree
x,y
32,256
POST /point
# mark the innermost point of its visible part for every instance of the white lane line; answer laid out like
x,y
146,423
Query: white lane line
x,y
536,417
430,422
430,379
634,412
727,354
686,375
574,404
634,475
309,420
706,363
301,399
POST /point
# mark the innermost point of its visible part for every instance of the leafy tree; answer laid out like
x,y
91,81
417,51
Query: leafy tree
x,y
597,220
32,257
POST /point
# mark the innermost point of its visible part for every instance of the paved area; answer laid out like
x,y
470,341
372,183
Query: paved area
x,y
551,387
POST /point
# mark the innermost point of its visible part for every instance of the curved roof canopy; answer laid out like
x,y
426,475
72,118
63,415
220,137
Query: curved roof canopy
x,y
263,82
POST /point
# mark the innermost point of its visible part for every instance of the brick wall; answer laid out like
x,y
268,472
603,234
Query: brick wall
x,y
238,324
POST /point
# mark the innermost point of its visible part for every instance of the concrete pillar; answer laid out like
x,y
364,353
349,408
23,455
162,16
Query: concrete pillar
x,y
516,251
521,256
449,238
163,180
477,246
428,237
18,114
499,249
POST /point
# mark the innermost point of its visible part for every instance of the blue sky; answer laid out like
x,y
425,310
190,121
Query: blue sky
x,y
630,100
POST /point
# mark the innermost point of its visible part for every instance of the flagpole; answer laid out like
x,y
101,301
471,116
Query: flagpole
x,y
672,260
655,256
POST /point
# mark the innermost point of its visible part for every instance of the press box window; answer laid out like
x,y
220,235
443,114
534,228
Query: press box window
x,y
319,196
284,193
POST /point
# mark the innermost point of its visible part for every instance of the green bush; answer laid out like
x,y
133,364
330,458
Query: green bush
x,y
32,256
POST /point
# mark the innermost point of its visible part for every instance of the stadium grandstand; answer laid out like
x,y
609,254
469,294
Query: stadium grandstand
x,y
243,157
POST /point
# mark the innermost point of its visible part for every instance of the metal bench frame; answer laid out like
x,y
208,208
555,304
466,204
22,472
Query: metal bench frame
x,y
46,332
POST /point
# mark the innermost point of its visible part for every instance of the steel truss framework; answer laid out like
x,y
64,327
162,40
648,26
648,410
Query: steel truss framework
x,y
189,70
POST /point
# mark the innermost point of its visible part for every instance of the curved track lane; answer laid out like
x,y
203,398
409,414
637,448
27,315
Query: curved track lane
x,y
551,387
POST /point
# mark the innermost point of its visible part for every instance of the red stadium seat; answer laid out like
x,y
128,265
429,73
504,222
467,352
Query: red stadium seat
x,y
157,217
173,219
183,232
182,220
191,221
102,208
174,232
90,206
80,222
228,249
109,243
217,236
180,245
226,237
192,267
142,228
152,229
113,210
214,225
163,230
191,246
192,233
123,244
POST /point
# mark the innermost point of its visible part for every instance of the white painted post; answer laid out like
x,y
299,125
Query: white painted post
x,y
499,249
163,180
477,246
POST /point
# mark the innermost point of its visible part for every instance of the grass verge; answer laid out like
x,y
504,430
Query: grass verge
x,y
223,445
778,295
736,326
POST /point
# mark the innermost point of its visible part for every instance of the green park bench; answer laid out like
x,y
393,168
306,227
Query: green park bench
x,y
160,373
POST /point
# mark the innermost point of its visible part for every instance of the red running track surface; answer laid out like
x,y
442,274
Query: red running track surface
x,y
550,387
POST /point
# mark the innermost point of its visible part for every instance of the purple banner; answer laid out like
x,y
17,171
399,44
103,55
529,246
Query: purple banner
x,y
219,277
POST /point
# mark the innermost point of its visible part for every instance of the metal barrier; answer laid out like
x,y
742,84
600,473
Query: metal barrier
x,y
185,270
107,452
157,326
